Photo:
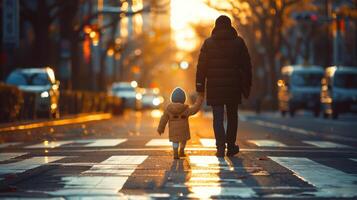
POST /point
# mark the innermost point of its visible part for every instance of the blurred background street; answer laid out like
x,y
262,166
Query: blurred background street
x,y
83,84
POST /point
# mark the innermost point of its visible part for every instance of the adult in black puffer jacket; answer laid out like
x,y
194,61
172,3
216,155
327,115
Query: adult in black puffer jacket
x,y
224,68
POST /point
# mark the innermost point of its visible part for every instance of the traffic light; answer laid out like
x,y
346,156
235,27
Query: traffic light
x,y
308,17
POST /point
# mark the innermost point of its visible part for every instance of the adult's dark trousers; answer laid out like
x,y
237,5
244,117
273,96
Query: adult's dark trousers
x,y
223,136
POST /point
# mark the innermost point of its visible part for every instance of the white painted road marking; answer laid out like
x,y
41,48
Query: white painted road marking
x,y
206,192
107,177
158,142
206,161
207,142
105,142
27,164
79,143
117,165
329,182
48,144
326,144
353,159
8,144
210,149
267,143
7,156
206,182
89,185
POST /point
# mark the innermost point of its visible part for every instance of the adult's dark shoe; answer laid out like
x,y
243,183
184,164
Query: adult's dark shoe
x,y
220,152
233,151
182,153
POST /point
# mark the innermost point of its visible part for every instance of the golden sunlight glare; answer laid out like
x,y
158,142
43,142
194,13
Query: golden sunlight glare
x,y
184,13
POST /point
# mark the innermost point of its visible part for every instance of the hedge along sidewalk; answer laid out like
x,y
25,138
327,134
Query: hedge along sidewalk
x,y
57,122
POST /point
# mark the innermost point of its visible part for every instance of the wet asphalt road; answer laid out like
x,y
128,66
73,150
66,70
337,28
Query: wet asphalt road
x,y
124,158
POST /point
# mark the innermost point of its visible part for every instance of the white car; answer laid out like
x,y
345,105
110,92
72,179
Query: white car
x,y
299,88
151,98
339,91
127,92
43,83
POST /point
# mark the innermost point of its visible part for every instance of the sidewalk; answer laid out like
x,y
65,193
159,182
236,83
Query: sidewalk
x,y
38,123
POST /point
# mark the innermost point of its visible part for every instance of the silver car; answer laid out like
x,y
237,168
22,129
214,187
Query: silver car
x,y
43,83
299,88
127,92
339,91
151,98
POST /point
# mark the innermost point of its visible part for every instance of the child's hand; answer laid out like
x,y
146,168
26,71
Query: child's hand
x,y
160,133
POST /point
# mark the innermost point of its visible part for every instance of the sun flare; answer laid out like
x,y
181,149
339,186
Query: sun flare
x,y
185,13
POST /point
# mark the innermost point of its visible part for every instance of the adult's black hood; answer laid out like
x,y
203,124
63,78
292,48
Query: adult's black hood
x,y
223,29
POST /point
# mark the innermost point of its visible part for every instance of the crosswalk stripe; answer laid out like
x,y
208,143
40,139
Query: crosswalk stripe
x,y
105,178
328,181
158,142
207,142
48,144
117,165
79,143
208,184
326,144
8,144
8,156
206,192
105,142
27,164
267,143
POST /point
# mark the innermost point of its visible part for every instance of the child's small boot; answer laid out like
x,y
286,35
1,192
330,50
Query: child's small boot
x,y
182,149
176,154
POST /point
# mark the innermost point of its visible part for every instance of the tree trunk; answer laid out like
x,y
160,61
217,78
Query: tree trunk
x,y
273,78
75,66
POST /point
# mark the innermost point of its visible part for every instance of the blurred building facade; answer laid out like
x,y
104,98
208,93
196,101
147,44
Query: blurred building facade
x,y
326,36
89,43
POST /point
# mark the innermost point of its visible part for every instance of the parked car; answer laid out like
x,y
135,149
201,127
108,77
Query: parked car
x,y
151,98
128,92
43,83
339,91
299,88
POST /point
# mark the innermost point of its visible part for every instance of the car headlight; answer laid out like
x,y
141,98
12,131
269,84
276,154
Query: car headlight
x,y
44,94
138,96
156,101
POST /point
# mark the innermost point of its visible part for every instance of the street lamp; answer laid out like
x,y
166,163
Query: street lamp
x,y
92,34
110,52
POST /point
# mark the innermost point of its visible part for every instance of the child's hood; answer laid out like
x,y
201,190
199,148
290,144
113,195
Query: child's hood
x,y
177,108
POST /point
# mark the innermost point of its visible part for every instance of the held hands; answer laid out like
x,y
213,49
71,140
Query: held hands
x,y
200,97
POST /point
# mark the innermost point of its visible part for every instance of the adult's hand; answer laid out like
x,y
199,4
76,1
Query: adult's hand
x,y
202,94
